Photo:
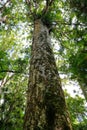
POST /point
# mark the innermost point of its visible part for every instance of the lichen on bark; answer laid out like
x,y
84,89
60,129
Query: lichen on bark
x,y
46,107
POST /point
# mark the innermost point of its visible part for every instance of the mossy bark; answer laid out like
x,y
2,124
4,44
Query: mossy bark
x,y
46,108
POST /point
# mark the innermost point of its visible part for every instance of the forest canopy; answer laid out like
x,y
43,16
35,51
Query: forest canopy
x,y
67,24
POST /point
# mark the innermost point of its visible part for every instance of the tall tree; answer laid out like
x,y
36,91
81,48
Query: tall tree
x,y
46,107
78,60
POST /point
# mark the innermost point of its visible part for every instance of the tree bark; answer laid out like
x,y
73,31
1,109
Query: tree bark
x,y
46,108
83,85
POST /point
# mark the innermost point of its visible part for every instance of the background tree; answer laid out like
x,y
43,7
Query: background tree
x,y
77,60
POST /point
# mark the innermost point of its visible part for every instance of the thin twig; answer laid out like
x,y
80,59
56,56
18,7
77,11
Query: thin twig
x,y
3,6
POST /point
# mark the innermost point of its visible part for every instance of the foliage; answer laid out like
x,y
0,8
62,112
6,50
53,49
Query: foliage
x,y
78,111
13,102
3,63
67,22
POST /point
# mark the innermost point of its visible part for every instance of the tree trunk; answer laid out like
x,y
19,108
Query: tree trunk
x,y
83,85
46,108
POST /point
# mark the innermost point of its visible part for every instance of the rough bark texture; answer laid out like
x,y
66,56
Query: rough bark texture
x,y
46,108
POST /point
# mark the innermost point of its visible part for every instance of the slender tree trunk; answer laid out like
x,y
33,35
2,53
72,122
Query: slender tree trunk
x,y
83,86
46,108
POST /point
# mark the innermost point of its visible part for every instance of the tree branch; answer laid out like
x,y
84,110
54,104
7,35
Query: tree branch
x,y
13,71
10,71
5,80
28,2
48,4
68,23
3,6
